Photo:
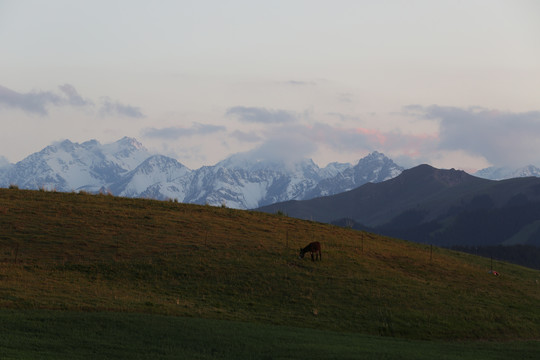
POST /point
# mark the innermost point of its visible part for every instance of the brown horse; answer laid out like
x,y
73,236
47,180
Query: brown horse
x,y
313,248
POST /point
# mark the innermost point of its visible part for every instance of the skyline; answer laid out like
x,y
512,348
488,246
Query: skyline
x,y
451,84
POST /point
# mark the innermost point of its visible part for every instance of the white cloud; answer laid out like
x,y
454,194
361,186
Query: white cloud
x,y
73,96
177,132
261,115
243,136
502,137
109,107
39,102
33,102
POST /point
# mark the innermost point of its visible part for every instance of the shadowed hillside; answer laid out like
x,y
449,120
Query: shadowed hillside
x,y
434,206
84,252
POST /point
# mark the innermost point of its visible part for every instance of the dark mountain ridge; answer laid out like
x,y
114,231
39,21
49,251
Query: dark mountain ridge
x,y
429,205
374,204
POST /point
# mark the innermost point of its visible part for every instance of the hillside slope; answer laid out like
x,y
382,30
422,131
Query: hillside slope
x,y
101,253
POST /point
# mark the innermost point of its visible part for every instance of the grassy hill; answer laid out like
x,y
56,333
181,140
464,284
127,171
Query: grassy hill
x,y
98,253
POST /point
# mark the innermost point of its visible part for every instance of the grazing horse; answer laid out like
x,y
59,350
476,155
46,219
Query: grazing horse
x,y
313,248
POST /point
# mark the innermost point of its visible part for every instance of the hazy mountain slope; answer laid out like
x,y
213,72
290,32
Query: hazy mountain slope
x,y
501,173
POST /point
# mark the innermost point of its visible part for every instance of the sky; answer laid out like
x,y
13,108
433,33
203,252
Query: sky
x,y
454,84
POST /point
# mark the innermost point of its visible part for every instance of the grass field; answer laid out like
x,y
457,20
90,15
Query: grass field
x,y
117,258
75,335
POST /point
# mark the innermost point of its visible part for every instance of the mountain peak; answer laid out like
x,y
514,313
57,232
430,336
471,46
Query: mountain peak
x,y
375,155
130,142
375,158
448,178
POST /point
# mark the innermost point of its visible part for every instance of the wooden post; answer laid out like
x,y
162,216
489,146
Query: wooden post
x,y
16,252
431,252
363,241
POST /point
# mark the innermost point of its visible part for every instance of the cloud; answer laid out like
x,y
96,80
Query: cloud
x,y
502,138
73,97
300,83
38,102
112,108
245,137
176,132
345,97
261,115
361,139
33,102
294,141
286,149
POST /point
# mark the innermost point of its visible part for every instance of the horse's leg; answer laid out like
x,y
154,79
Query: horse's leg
x,y
312,257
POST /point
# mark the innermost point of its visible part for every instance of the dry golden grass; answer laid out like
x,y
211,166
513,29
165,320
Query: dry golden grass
x,y
93,253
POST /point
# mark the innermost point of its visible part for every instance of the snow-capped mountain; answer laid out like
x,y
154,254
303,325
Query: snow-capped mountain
x,y
373,168
501,173
243,181
156,169
68,166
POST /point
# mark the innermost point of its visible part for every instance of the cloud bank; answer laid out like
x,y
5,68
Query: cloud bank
x,y
73,97
35,102
39,102
503,138
475,135
114,108
261,115
174,133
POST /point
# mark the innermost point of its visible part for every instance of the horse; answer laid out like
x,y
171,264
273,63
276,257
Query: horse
x,y
313,248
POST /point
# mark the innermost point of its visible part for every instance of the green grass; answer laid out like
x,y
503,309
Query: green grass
x,y
69,335
90,254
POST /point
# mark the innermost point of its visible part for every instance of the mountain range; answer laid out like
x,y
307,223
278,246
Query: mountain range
x,y
242,181
502,173
434,206
441,207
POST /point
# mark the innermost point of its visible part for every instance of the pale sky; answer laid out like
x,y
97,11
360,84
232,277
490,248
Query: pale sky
x,y
455,84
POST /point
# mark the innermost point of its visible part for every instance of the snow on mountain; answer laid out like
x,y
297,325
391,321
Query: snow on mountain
x,y
127,153
67,166
375,167
501,173
157,169
243,181
4,164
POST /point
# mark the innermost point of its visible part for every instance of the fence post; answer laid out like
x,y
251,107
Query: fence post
x,y
16,252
